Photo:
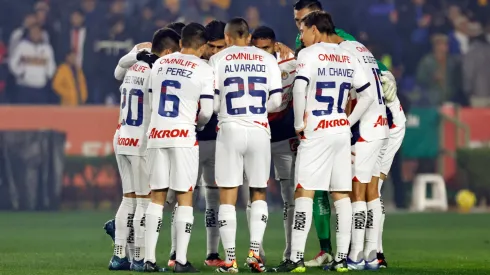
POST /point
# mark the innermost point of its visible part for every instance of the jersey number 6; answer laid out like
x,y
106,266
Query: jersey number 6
x,y
164,97
252,80
139,115
330,100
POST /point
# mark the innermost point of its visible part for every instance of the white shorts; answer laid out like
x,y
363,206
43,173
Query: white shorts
x,y
389,150
174,168
283,157
324,163
134,174
242,149
205,176
366,162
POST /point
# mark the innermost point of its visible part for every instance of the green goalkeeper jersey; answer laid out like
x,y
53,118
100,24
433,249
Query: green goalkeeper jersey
x,y
346,36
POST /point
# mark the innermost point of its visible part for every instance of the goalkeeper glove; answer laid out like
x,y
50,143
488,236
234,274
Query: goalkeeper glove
x,y
147,57
389,86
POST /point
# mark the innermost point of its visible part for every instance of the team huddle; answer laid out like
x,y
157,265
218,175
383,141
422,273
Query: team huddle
x,y
213,106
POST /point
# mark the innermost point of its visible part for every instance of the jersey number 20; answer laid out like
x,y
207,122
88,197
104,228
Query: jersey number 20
x,y
139,97
252,80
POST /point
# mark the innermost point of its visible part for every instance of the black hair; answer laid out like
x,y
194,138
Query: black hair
x,y
215,30
176,26
264,32
321,20
165,39
308,4
194,36
237,28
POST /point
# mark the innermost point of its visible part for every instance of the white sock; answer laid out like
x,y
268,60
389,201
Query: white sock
x,y
287,193
343,209
303,215
247,211
372,229
153,224
211,196
139,228
381,226
227,230
124,223
173,231
380,185
359,209
258,222
184,218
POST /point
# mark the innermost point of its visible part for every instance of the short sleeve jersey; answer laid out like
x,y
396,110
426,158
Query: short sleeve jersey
x,y
331,72
244,79
178,82
374,122
135,110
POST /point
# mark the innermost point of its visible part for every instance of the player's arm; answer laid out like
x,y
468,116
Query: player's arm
x,y
360,84
206,99
301,82
275,88
217,99
129,60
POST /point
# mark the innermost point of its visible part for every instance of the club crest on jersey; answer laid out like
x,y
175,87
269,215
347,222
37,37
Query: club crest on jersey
x,y
155,133
284,75
382,121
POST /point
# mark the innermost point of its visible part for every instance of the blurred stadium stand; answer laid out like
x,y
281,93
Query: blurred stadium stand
x,y
63,52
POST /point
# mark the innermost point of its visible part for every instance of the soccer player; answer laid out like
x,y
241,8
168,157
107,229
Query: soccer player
x,y
396,122
326,73
215,32
131,157
179,81
321,206
284,142
244,78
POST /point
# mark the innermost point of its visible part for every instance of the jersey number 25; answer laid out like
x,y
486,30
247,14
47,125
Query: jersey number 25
x,y
252,80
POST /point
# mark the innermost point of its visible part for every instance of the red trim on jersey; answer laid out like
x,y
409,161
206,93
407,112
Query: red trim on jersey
x,y
298,186
118,126
278,115
190,189
393,126
361,139
197,143
292,72
285,60
217,129
354,179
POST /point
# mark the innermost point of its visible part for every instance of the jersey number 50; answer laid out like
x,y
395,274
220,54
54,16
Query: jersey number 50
x,y
164,97
129,117
252,80
330,100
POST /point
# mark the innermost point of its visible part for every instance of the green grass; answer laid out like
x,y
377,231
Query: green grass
x,y
71,243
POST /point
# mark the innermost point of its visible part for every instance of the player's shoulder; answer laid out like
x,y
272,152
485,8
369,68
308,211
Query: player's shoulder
x,y
311,50
354,47
217,57
288,62
140,68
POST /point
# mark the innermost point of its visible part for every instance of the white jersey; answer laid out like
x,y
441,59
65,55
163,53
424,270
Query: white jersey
x,y
244,79
135,110
397,113
374,122
331,72
288,73
178,81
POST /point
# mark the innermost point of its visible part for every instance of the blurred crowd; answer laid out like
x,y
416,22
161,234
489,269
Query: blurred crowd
x,y
65,51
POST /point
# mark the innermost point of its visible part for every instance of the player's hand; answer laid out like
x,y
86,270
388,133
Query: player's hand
x,y
301,132
389,86
284,51
144,45
147,57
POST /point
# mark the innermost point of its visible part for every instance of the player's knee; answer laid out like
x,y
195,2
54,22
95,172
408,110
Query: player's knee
x,y
358,192
303,193
383,176
158,196
339,195
184,198
258,194
131,195
228,195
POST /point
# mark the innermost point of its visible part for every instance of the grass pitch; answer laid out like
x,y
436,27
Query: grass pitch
x,y
72,243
